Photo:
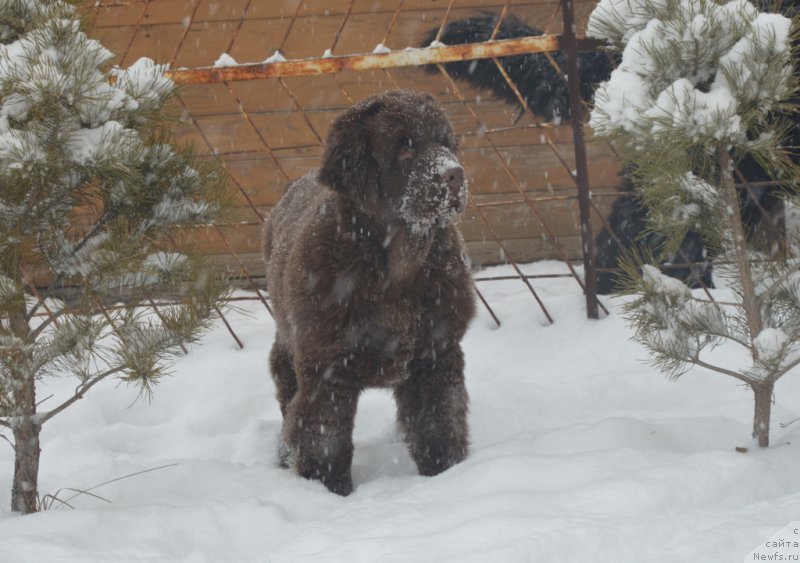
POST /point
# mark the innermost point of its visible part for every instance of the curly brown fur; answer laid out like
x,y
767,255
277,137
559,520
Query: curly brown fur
x,y
370,287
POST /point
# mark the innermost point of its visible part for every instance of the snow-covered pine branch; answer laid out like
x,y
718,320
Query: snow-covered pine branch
x,y
696,69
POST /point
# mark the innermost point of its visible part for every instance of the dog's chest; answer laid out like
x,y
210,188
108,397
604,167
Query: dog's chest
x,y
396,304
390,322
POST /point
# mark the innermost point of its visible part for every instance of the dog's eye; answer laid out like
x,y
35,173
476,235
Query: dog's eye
x,y
405,149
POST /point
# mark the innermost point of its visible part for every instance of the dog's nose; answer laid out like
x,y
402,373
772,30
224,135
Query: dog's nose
x,y
454,178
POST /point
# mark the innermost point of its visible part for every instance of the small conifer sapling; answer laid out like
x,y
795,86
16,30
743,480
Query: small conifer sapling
x,y
91,195
701,85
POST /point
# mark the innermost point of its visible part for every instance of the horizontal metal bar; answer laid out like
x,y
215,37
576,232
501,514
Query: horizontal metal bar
x,y
527,277
540,199
392,59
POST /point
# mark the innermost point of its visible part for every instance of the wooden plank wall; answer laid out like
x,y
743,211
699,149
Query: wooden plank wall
x,y
267,132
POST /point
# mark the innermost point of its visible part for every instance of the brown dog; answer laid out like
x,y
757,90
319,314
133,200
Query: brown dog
x,y
370,287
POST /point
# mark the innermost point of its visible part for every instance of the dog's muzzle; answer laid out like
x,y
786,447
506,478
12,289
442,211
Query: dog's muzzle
x,y
450,174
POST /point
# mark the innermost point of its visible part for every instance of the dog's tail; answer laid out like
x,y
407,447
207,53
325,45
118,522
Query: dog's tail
x,y
543,88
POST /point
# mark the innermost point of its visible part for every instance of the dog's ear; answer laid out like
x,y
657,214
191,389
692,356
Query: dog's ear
x,y
348,165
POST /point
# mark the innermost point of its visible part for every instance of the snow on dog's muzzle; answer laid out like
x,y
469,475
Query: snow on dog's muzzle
x,y
436,192
449,173
452,177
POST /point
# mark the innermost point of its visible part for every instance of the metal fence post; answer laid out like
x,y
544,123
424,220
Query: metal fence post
x,y
570,46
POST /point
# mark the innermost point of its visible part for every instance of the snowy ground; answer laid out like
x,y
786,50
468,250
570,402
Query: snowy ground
x,y
581,452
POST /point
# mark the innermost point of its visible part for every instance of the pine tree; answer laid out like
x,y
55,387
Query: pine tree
x,y
91,195
701,85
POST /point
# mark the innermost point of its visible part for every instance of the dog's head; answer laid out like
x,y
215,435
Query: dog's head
x,y
393,155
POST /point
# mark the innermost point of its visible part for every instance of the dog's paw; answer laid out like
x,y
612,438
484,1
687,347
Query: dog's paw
x,y
339,482
437,460
284,455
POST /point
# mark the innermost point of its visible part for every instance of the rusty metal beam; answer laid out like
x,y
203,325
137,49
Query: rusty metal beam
x,y
393,59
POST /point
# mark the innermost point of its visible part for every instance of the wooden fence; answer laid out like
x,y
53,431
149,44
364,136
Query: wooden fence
x,y
268,131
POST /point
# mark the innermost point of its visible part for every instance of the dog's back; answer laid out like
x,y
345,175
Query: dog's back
x,y
285,221
284,226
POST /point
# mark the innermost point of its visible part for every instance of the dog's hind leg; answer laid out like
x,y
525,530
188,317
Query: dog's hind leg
x,y
318,433
282,369
280,364
432,408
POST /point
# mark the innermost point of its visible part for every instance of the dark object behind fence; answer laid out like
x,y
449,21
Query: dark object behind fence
x,y
544,91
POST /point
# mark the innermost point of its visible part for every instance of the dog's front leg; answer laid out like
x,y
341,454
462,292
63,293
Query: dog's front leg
x,y
318,433
432,408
